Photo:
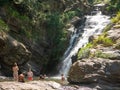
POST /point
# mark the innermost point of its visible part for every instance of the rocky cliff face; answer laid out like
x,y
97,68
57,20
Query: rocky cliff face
x,y
11,51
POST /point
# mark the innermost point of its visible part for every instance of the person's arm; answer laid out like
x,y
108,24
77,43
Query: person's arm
x,y
17,68
32,74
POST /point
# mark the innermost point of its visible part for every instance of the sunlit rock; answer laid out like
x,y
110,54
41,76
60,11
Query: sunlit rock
x,y
95,70
33,85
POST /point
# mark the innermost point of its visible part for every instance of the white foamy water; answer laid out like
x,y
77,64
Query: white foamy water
x,y
94,25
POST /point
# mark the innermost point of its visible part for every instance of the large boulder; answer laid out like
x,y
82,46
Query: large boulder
x,y
76,21
95,70
12,51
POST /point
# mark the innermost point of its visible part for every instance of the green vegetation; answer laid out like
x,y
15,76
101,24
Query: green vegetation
x,y
116,18
22,20
102,39
69,15
114,6
84,52
41,21
3,26
99,54
56,36
108,27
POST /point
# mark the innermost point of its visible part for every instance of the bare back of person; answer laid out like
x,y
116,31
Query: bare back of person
x,y
30,75
15,72
21,78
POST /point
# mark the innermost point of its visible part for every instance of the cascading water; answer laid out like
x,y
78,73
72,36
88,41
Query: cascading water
x,y
94,25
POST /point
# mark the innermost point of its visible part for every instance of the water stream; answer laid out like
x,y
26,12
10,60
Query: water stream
x,y
94,25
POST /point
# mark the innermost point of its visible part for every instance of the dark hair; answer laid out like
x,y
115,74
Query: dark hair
x,y
61,74
15,64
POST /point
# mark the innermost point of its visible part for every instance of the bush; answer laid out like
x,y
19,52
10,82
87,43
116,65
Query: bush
x,y
108,27
114,6
116,19
102,39
3,26
84,52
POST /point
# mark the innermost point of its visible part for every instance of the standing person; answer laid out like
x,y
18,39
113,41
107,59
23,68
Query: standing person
x,y
15,71
30,75
62,78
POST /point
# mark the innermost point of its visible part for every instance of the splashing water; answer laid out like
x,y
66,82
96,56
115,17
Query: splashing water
x,y
94,25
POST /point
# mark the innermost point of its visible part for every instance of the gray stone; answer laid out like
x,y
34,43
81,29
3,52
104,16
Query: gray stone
x,y
94,70
12,51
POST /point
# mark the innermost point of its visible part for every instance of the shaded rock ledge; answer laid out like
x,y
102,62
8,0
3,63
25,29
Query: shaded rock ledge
x,y
12,51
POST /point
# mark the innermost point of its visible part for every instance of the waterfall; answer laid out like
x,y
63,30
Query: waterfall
x,y
94,25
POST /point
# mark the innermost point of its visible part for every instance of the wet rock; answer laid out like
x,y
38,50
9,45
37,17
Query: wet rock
x,y
74,58
76,21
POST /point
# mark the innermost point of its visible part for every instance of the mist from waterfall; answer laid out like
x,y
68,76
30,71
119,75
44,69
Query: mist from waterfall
x,y
94,25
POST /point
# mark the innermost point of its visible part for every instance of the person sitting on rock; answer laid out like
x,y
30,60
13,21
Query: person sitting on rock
x,y
21,77
62,77
42,77
30,75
